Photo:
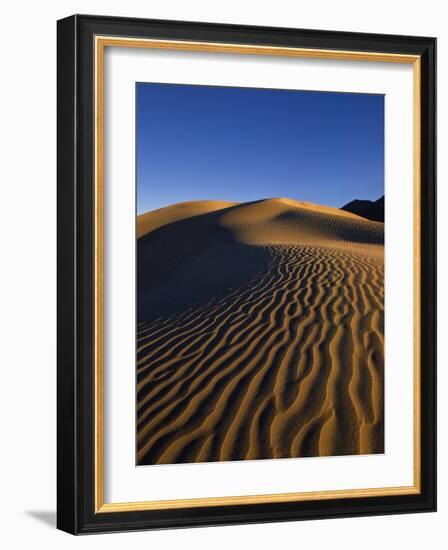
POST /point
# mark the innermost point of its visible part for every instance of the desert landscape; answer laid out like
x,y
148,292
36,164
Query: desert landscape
x,y
260,332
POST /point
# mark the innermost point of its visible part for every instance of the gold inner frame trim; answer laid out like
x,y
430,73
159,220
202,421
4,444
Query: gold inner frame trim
x,y
101,42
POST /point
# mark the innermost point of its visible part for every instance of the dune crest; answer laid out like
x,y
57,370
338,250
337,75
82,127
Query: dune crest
x,y
260,333
149,221
285,221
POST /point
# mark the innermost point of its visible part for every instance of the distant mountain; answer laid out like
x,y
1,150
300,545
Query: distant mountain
x,y
371,210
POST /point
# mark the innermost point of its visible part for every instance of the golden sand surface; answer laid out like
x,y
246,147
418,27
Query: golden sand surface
x,y
260,332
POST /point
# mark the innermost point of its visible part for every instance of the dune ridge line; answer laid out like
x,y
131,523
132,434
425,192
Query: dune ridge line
x,y
260,332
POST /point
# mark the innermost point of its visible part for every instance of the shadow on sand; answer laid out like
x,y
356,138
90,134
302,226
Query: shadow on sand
x,y
189,262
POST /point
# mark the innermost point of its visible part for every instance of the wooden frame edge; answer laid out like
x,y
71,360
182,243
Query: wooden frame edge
x,y
100,507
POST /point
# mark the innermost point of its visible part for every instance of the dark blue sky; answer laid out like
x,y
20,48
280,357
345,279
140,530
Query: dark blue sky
x,y
243,144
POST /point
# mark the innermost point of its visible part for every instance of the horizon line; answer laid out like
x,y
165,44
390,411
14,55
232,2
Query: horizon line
x,y
255,201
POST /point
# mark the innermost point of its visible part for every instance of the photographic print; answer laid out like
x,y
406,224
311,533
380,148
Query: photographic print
x,y
260,273
246,274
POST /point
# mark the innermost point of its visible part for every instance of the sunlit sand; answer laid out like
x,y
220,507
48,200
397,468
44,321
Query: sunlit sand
x,y
260,332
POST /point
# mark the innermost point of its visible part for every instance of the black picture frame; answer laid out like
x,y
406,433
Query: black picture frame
x,y
76,511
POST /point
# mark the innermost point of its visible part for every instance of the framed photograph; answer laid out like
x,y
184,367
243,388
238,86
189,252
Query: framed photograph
x,y
246,274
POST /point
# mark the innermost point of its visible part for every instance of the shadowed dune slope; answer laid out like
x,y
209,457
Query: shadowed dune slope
x,y
284,221
260,332
152,220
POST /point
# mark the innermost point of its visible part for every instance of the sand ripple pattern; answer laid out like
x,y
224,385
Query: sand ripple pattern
x,y
289,364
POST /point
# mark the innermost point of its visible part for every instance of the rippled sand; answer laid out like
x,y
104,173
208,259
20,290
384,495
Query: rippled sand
x,y
260,332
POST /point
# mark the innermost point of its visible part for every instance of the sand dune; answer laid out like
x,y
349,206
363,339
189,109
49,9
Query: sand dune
x,y
156,218
260,332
